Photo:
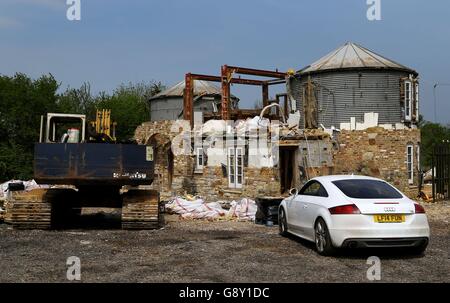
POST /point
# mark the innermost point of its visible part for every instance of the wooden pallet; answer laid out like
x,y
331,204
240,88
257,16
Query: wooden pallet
x,y
140,210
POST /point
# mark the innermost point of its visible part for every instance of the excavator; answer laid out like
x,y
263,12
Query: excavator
x,y
83,165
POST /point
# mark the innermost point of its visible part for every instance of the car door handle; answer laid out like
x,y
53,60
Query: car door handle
x,y
305,206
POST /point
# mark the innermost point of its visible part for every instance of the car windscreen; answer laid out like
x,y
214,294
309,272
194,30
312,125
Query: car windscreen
x,y
367,189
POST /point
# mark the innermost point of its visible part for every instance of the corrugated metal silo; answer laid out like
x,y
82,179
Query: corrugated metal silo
x,y
351,81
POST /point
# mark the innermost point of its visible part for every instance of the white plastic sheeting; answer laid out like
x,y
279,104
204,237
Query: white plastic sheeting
x,y
29,185
242,210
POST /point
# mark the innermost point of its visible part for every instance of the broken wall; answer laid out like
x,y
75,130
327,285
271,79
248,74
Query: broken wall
x,y
378,152
211,182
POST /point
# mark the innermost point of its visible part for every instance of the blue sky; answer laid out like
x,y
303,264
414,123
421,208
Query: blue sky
x,y
141,40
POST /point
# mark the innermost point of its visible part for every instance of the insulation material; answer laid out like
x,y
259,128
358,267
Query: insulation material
x,y
370,120
211,127
294,119
252,124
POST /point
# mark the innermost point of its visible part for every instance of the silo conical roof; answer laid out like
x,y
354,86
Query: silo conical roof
x,y
200,88
353,56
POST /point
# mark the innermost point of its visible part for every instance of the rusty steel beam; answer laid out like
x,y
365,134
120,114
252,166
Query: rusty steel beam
x,y
257,72
188,99
265,95
206,77
275,82
232,80
225,77
246,81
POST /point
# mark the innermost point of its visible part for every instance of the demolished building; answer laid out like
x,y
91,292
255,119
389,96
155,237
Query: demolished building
x,y
352,111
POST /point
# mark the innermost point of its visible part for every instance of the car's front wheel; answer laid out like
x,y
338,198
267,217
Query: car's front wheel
x,y
322,238
282,222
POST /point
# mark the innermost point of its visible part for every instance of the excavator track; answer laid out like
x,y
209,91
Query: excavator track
x,y
40,208
140,209
29,210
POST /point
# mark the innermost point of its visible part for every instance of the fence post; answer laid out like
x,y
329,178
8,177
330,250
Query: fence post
x,y
433,188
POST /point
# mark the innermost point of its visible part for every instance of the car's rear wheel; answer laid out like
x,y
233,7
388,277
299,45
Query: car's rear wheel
x,y
282,222
322,238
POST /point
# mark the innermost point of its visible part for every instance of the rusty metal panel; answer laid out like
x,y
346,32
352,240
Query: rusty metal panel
x,y
265,94
93,164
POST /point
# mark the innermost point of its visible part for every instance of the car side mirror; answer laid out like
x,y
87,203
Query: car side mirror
x,y
293,192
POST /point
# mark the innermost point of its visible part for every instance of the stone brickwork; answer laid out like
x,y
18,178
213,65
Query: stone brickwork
x,y
180,180
378,152
210,183
375,152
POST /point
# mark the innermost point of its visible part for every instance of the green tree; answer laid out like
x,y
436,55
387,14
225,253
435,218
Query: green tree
x,y
129,106
77,101
431,134
23,100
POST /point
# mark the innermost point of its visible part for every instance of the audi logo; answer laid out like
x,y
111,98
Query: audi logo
x,y
389,209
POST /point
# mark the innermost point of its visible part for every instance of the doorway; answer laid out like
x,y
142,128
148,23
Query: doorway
x,y
169,168
287,166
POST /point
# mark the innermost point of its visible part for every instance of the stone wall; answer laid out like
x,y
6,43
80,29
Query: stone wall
x,y
210,183
168,184
377,152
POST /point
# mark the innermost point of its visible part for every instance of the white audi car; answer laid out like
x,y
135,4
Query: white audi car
x,y
354,211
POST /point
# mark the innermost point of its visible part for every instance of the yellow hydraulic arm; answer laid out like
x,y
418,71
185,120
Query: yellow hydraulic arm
x,y
103,124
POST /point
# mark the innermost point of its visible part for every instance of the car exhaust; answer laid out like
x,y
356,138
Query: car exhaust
x,y
352,244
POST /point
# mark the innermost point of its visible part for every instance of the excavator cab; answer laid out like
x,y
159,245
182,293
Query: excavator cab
x,y
62,128
73,128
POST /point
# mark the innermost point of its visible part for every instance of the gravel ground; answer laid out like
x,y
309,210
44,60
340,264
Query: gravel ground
x,y
198,251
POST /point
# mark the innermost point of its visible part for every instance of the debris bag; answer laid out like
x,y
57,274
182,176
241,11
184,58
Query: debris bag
x,y
197,209
243,210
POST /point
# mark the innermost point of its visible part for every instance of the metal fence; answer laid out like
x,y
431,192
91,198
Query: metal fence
x,y
441,171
